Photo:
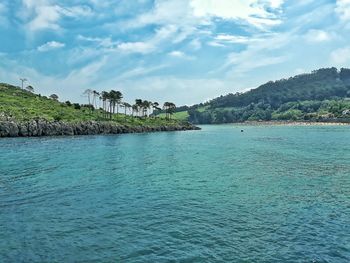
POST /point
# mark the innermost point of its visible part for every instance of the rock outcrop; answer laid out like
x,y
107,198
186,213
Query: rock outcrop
x,y
59,128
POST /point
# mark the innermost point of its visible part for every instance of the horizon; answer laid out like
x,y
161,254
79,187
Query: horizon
x,y
187,52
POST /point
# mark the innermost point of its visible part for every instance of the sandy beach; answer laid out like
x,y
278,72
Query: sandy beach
x,y
292,123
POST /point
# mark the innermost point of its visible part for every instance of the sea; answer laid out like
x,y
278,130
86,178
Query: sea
x,y
227,193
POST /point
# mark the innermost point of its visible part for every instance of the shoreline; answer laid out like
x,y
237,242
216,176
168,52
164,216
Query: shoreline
x,y
290,123
42,128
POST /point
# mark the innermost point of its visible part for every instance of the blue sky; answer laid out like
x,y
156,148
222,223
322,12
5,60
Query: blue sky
x,y
185,51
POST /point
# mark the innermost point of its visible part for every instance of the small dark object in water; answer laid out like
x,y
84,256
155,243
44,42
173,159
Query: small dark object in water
x,y
242,130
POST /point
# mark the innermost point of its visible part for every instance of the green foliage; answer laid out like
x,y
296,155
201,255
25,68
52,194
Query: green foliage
x,y
323,94
22,105
182,115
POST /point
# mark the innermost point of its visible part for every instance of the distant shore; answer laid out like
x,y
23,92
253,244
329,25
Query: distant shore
x,y
292,123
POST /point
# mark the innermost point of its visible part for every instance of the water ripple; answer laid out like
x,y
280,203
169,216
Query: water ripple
x,y
272,194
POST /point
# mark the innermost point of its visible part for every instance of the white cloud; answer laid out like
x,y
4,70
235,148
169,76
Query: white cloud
x,y
46,16
251,11
77,11
314,35
166,33
139,71
3,14
136,47
176,53
247,61
215,44
179,90
50,46
69,87
341,57
225,38
175,12
196,44
343,9
258,54
102,42
180,54
276,3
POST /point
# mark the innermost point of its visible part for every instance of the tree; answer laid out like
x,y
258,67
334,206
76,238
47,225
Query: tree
x,y
155,106
23,80
114,100
145,106
95,95
104,97
118,99
166,107
88,93
135,108
126,106
169,108
53,96
139,104
30,88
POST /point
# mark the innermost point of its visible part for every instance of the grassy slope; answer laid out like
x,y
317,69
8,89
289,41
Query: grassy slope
x,y
181,115
22,105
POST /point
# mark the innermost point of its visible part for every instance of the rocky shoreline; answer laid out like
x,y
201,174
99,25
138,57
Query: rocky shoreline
x,y
37,128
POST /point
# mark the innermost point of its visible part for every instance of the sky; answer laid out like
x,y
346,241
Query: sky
x,y
183,51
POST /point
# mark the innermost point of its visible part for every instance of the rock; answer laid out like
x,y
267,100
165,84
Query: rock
x,y
10,128
23,129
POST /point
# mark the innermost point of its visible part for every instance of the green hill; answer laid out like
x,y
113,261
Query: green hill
x,y
323,95
21,105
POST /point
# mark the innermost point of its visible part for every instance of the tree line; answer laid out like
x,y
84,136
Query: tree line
x,y
111,102
321,94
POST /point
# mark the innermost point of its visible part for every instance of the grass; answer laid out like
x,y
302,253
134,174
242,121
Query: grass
x,y
23,106
181,115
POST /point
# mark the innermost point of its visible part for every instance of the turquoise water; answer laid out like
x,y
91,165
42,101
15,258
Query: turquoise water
x,y
269,194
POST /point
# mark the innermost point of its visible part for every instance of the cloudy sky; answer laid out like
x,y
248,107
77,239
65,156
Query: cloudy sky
x,y
185,51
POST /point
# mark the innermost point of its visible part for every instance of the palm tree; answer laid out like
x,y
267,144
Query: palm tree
x,y
139,104
104,97
118,99
155,106
54,97
166,107
88,93
126,106
135,108
114,100
95,94
30,88
169,108
145,106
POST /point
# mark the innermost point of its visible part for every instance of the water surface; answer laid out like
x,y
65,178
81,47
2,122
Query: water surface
x,y
269,194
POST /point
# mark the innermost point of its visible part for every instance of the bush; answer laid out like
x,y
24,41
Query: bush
x,y
77,106
57,117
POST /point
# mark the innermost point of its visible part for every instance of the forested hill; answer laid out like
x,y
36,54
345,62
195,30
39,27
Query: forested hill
x,y
319,85
322,95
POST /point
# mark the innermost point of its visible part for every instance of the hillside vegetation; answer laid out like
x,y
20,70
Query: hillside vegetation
x,y
22,105
323,95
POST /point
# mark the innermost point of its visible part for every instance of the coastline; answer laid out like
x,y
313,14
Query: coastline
x,y
291,123
40,128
